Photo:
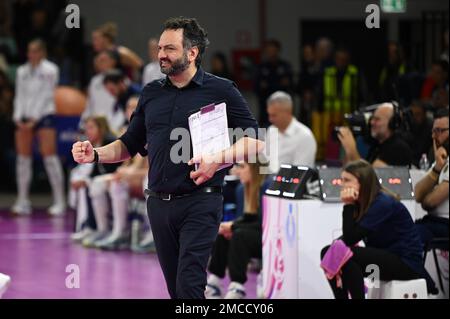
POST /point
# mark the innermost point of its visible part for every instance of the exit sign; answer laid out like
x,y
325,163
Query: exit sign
x,y
393,6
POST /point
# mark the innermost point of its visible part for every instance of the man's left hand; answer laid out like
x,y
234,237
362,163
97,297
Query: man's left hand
x,y
207,167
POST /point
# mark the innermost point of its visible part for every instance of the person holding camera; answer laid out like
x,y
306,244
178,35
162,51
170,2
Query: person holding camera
x,y
388,148
432,190
372,214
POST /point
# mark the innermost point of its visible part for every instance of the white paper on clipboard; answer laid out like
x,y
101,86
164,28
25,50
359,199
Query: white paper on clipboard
x,y
209,130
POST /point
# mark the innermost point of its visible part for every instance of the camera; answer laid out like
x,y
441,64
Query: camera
x,y
357,122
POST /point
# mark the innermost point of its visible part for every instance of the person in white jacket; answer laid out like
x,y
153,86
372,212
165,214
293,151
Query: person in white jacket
x,y
100,101
34,110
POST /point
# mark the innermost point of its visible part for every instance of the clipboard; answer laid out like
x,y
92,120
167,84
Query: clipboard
x,y
209,130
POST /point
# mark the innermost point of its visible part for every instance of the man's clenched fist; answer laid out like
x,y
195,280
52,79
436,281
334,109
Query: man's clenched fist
x,y
83,152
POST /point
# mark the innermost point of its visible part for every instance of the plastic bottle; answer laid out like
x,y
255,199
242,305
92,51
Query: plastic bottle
x,y
424,165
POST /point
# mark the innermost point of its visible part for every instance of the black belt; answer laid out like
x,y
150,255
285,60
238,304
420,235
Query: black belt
x,y
168,197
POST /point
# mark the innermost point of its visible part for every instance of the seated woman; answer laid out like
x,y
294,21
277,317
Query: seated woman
x,y
113,191
372,214
239,240
98,133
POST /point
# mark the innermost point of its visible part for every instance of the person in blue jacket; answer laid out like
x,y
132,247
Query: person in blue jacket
x,y
374,215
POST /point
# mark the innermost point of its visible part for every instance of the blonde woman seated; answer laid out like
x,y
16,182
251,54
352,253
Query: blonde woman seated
x,y
111,192
98,133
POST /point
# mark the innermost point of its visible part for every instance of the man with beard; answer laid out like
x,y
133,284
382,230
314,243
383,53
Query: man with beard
x,y
432,190
184,205
388,148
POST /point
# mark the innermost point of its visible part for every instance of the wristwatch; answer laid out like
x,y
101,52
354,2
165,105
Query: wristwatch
x,y
436,171
95,156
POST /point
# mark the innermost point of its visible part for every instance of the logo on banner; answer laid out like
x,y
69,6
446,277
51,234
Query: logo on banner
x,y
290,226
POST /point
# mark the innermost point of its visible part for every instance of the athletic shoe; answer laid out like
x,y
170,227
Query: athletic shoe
x,y
235,291
213,288
57,209
90,240
22,208
79,236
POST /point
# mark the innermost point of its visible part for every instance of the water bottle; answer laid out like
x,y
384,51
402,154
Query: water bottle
x,y
424,165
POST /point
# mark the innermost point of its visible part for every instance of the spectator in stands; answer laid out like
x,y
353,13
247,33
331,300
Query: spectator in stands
x,y
391,73
98,133
219,66
310,76
239,240
8,49
152,70
432,190
419,135
296,144
444,54
374,215
273,74
34,110
100,101
104,38
435,89
324,50
343,90
388,147
116,82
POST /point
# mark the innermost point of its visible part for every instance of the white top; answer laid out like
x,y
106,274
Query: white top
x,y
35,89
296,146
101,103
152,71
442,209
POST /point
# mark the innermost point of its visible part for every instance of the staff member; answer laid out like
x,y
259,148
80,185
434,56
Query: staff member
x,y
373,215
432,190
388,149
184,206
34,109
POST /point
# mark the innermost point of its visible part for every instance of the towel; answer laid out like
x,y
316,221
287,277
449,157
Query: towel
x,y
335,258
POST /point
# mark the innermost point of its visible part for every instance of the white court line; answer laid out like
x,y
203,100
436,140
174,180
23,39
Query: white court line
x,y
34,236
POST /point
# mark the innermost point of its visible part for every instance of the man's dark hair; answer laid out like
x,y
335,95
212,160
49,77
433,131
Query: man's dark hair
x,y
193,34
114,76
440,113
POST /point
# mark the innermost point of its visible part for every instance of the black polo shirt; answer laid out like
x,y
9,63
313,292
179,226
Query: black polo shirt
x,y
394,152
163,107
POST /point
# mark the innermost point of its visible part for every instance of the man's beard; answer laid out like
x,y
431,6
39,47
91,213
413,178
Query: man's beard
x,y
176,66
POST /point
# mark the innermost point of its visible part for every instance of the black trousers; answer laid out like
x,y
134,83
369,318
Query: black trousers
x,y
236,253
185,230
353,272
